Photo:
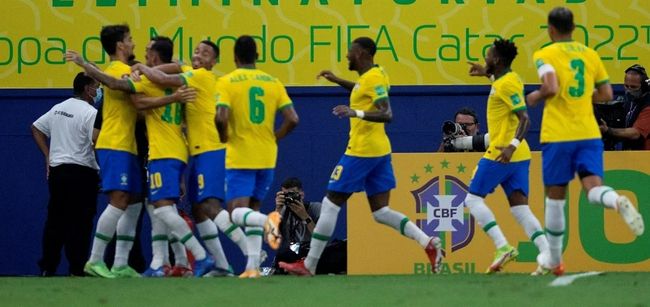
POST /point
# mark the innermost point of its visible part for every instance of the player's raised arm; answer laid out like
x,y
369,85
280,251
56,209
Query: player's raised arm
x,y
97,74
348,85
159,77
182,94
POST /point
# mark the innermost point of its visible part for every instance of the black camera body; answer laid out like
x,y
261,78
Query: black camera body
x,y
292,197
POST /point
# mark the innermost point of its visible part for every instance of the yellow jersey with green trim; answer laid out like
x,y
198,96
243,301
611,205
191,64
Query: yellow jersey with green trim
x,y
506,98
201,132
569,115
119,114
164,124
368,139
253,97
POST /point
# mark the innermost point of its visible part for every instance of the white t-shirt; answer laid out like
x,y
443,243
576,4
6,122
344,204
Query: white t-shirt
x,y
69,125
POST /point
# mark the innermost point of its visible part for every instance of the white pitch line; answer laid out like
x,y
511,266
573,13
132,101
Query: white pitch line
x,y
567,280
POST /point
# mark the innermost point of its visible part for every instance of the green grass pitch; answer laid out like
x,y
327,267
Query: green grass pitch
x,y
610,289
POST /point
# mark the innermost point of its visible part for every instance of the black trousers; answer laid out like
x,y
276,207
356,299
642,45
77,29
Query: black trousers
x,y
69,225
332,261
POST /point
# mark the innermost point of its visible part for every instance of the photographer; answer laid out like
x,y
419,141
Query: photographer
x,y
298,221
462,135
636,101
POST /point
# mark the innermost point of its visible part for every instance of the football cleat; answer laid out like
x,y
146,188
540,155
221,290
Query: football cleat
x,y
434,252
541,270
253,273
297,268
159,272
502,256
272,230
180,271
630,215
98,269
203,266
124,271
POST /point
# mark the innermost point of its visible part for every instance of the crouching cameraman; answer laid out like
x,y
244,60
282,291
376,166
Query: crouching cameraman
x,y
298,222
462,135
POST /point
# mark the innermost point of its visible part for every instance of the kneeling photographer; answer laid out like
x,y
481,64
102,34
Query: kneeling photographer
x,y
462,135
298,222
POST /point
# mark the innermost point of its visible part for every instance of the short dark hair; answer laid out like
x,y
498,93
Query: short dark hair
x,y
80,82
467,111
164,47
292,182
214,46
367,44
246,49
506,50
562,19
111,35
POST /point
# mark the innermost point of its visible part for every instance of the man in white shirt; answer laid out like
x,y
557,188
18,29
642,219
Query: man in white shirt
x,y
71,170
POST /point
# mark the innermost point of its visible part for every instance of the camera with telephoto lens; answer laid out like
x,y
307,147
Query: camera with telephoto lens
x,y
291,197
455,138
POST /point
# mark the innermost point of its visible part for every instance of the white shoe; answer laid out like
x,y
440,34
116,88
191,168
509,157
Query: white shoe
x,y
629,214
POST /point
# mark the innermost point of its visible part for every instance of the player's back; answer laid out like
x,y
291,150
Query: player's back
x,y
569,116
253,98
164,124
201,131
119,115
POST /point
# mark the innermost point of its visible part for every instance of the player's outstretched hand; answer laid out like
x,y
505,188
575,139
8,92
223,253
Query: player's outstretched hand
x,y
506,153
185,94
327,75
477,70
73,56
343,111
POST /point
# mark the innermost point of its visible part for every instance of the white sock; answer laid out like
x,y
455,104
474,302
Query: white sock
x,y
555,225
126,234
323,230
180,253
180,229
247,217
531,226
254,245
485,219
603,195
234,232
401,223
159,240
104,232
210,236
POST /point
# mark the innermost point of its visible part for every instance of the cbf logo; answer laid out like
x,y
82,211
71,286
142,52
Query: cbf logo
x,y
442,199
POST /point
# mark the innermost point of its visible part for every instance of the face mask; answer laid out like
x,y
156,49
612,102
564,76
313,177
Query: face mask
x,y
98,95
634,93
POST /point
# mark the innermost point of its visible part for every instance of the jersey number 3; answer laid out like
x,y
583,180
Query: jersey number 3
x,y
578,66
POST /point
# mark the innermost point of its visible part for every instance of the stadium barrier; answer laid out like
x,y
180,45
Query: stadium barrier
x,y
431,189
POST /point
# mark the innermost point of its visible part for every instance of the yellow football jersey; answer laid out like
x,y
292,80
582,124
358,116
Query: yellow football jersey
x,y
253,97
164,124
201,131
119,114
569,115
368,139
506,98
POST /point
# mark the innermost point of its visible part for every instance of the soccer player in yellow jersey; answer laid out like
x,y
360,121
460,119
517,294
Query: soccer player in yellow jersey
x,y
207,168
116,148
366,164
248,102
167,157
570,137
507,159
